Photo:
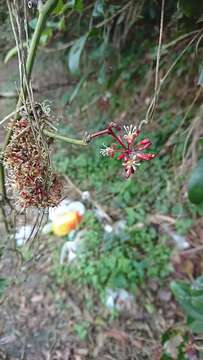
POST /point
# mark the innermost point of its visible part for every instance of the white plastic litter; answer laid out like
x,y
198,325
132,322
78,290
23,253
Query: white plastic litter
x,y
180,241
64,207
119,299
76,206
100,214
68,252
47,229
72,248
22,234
58,210
119,226
86,196
108,228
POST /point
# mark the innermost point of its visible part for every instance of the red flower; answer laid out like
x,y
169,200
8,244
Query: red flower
x,y
131,154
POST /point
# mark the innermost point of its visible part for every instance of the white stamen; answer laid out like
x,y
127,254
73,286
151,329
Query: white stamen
x,y
131,129
133,161
105,150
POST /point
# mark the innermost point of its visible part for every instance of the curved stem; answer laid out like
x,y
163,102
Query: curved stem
x,y
44,12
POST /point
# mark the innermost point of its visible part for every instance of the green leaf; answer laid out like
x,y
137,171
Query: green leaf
x,y
181,290
46,35
75,54
197,286
200,19
75,4
200,80
102,74
197,302
77,88
98,8
191,311
33,23
79,6
100,53
62,24
196,326
71,3
195,186
13,52
118,281
3,285
191,8
59,8
182,293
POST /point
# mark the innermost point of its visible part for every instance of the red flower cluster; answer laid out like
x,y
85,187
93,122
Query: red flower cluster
x,y
132,154
30,172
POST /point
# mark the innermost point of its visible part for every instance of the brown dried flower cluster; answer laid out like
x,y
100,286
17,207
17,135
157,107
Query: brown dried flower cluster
x,y
30,174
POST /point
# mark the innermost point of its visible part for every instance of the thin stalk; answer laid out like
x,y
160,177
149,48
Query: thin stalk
x,y
180,38
44,12
2,200
64,138
98,133
107,131
117,138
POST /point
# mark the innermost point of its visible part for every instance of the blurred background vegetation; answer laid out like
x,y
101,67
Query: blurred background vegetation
x,y
96,64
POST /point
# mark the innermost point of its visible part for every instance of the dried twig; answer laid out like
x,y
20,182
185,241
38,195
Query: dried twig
x,y
152,106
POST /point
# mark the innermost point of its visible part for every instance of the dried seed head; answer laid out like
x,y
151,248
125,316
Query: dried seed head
x,y
30,173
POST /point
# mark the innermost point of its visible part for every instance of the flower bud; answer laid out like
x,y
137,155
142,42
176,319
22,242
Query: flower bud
x,y
143,144
141,156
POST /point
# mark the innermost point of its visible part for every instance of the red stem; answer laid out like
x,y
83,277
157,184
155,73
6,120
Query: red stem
x,y
99,133
118,138
108,131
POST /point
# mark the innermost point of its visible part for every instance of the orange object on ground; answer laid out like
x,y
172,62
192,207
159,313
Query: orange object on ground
x,y
63,224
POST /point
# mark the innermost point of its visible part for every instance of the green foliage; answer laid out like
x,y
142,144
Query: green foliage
x,y
98,8
183,225
139,253
191,8
75,54
195,186
6,38
82,329
116,261
175,345
200,80
76,4
3,285
190,297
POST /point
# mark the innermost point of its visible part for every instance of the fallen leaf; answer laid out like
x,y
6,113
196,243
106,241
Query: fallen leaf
x,y
118,335
7,339
82,352
37,298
